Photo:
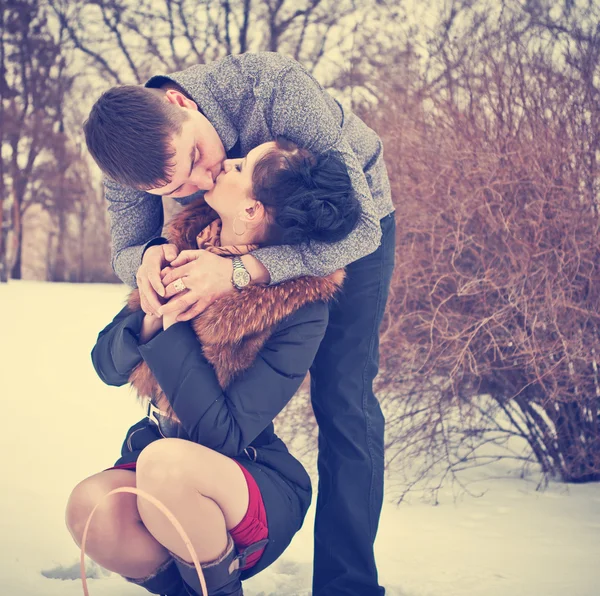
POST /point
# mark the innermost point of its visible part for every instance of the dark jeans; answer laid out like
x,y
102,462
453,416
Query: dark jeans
x,y
351,427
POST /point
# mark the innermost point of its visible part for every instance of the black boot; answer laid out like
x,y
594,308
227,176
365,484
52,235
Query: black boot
x,y
223,575
165,581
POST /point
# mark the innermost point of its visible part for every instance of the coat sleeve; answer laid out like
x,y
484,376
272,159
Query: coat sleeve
x,y
116,352
229,420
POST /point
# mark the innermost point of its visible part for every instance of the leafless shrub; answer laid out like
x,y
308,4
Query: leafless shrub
x,y
495,293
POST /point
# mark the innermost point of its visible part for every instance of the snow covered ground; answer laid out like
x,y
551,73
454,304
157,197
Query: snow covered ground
x,y
62,424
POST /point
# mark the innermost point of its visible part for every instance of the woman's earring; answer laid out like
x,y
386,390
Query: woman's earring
x,y
235,231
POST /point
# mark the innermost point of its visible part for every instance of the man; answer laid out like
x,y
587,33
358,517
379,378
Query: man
x,y
169,138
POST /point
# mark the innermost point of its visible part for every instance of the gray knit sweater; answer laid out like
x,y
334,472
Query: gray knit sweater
x,y
252,98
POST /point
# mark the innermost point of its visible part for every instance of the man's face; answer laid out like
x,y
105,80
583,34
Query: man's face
x,y
199,155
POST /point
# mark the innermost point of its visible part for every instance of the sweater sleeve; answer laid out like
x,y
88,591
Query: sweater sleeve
x,y
136,218
300,111
229,420
116,352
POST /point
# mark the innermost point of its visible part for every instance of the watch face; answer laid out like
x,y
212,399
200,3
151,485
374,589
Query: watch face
x,y
241,278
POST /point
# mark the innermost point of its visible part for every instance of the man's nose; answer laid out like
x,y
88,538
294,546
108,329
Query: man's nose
x,y
203,179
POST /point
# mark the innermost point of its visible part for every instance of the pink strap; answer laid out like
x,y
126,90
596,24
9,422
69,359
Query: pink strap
x,y
161,507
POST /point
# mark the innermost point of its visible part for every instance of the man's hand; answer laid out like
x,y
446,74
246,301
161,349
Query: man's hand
x,y
148,276
206,277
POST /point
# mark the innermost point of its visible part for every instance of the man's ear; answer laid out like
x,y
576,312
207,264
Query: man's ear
x,y
177,98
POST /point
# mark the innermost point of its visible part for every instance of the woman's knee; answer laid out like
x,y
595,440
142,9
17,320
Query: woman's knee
x,y
162,465
89,492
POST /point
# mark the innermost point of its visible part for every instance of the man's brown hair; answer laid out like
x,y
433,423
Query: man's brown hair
x,y
128,133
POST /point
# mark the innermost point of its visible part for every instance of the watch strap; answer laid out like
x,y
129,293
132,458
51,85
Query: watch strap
x,y
238,265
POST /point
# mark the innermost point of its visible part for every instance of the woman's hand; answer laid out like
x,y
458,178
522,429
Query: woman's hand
x,y
170,319
151,325
148,276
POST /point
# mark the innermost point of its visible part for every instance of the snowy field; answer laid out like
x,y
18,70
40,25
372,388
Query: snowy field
x,y
62,424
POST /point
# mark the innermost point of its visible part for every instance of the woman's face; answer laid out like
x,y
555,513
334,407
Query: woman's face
x,y
232,192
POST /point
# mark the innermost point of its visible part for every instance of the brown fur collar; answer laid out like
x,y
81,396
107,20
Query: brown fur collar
x,y
234,328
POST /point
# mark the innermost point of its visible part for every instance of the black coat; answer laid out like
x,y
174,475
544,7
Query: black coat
x,y
230,420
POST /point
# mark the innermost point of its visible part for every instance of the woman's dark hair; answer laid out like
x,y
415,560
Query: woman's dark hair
x,y
307,197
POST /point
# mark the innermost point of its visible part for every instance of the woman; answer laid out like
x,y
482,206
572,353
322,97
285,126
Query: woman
x,y
215,387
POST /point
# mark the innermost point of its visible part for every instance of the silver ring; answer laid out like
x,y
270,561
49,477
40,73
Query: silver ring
x,y
179,285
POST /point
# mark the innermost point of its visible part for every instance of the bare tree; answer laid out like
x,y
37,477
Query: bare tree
x,y
127,41
35,83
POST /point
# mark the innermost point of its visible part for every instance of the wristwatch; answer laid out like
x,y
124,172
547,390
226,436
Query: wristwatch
x,y
241,277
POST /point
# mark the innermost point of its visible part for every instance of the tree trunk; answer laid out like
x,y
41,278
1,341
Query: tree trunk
x,y
4,228
18,228
60,265
82,218
4,217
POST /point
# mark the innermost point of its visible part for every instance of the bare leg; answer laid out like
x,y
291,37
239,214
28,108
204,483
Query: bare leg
x,y
117,539
205,490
